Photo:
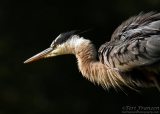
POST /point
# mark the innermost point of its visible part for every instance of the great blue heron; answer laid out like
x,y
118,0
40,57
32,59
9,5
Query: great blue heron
x,y
131,57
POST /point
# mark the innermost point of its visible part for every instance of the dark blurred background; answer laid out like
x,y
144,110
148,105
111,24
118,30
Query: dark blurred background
x,y
55,85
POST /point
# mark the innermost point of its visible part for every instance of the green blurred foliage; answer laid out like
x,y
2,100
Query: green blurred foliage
x,y
55,85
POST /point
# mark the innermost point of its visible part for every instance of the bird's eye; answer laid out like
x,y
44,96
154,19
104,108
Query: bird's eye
x,y
54,46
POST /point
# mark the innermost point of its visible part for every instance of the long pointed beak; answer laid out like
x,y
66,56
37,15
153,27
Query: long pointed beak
x,y
39,55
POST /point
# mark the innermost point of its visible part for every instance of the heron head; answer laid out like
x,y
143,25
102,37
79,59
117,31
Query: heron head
x,y
61,45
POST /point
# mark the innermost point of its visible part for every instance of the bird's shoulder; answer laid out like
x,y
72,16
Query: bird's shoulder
x,y
141,24
133,43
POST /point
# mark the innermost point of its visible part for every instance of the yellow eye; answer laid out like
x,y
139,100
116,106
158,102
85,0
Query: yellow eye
x,y
54,46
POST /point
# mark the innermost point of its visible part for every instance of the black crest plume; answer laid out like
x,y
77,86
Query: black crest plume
x,y
63,37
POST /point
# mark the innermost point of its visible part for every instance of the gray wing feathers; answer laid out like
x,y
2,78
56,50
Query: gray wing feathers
x,y
133,54
153,46
132,47
136,44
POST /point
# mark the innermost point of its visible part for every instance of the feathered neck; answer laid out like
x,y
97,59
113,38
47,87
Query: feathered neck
x,y
92,69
